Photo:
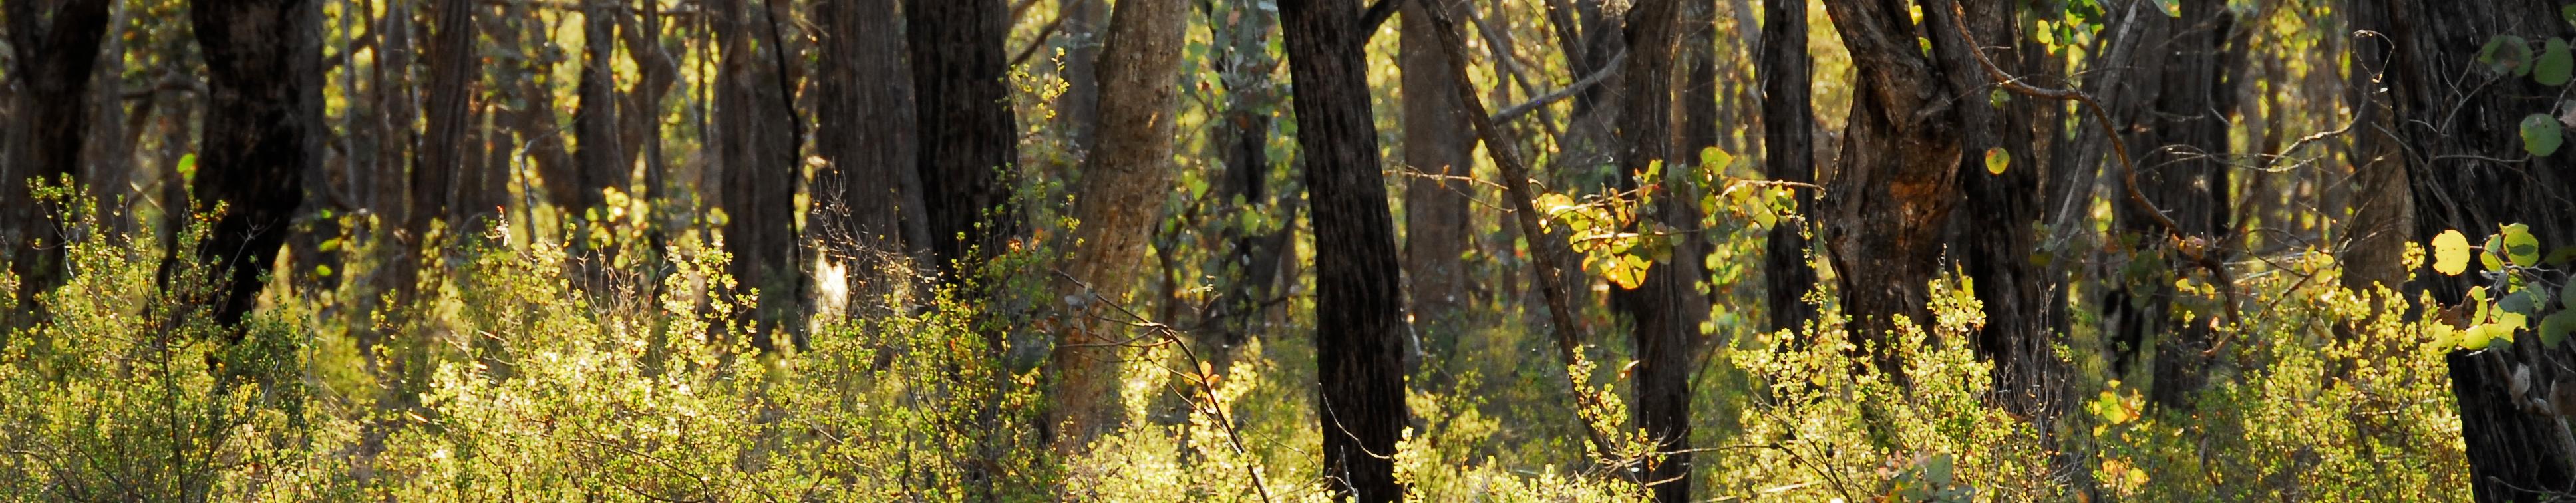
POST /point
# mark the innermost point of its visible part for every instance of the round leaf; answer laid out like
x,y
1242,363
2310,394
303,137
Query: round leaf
x,y
2540,135
2520,246
2554,63
2488,253
2554,329
2450,253
1997,159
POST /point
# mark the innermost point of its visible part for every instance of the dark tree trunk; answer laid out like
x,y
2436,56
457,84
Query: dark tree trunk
x,y
595,127
1437,143
1789,155
1891,198
263,131
1665,310
2178,173
1118,201
1077,111
440,159
1996,228
2453,136
54,62
756,143
1359,303
2383,216
969,146
867,198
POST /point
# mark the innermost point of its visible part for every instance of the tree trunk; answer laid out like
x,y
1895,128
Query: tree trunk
x,y
2454,130
1118,200
1437,146
1359,310
263,130
1789,155
2176,171
757,147
2383,216
1665,310
53,62
1077,111
602,160
968,143
1996,227
1888,203
867,199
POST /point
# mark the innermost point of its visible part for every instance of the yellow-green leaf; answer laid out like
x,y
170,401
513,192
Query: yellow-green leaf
x,y
2520,246
2451,253
2487,253
1997,159
2540,135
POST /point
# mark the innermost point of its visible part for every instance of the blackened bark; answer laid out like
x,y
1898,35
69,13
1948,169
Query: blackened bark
x,y
2383,216
602,161
968,143
2452,137
1889,202
867,197
1788,155
1665,310
1996,228
1359,310
263,131
1437,143
54,62
757,146
1118,201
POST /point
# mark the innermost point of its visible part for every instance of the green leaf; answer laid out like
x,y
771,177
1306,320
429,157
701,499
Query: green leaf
x,y
188,165
2568,13
2554,329
1997,159
2487,254
1627,271
2517,302
2540,135
2554,63
2520,246
2450,253
1715,159
2506,54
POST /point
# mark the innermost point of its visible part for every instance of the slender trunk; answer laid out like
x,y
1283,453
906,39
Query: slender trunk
x,y
1359,310
1251,263
1437,145
1788,142
602,161
2383,216
1077,111
1665,310
2179,173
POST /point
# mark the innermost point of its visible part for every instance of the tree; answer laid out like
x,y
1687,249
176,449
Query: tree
x,y
263,129
1891,197
1788,143
867,197
1664,310
56,44
757,144
1996,229
2469,171
1250,265
2179,173
1117,202
1437,143
968,142
1359,310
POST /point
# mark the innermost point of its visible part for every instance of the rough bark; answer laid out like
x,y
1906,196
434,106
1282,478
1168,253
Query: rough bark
x,y
53,62
968,143
263,130
1996,227
1077,111
1788,143
1891,197
2383,216
1665,310
601,160
867,197
1118,199
2453,138
1437,146
1359,310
